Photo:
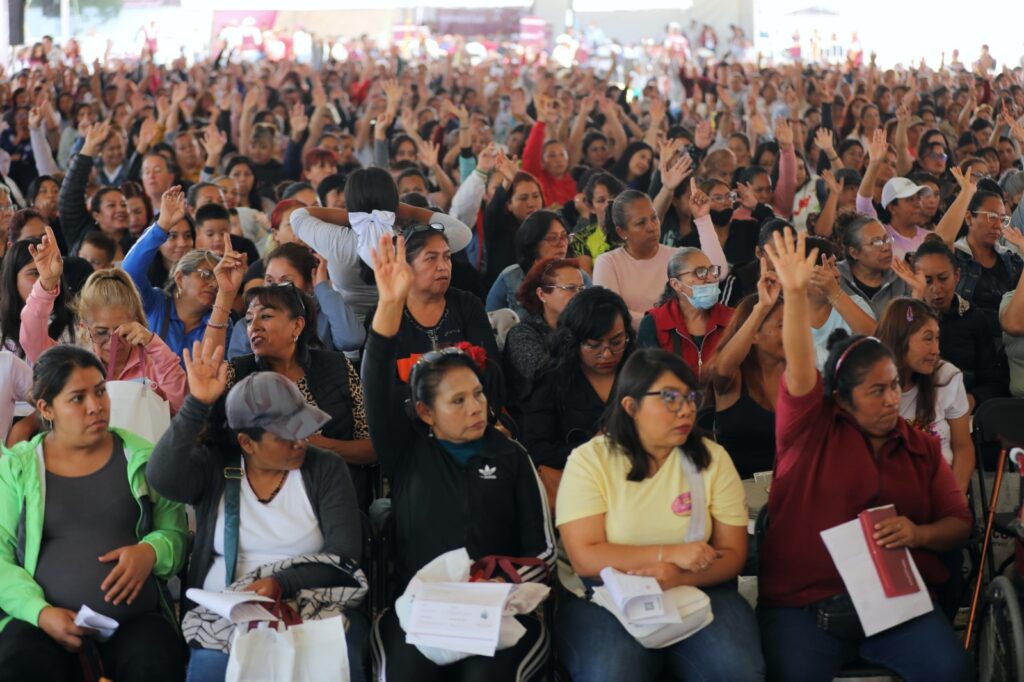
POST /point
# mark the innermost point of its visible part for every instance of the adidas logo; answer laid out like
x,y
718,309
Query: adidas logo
x,y
489,473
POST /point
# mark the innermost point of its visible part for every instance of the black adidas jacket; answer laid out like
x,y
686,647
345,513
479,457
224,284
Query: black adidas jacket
x,y
495,505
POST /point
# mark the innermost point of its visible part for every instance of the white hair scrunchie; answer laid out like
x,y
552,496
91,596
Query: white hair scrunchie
x,y
369,228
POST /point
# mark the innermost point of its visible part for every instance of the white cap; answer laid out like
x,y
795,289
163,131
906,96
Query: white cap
x,y
898,188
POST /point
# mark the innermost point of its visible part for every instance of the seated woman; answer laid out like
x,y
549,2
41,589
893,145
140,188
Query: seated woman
x,y
987,268
964,337
934,399
337,327
542,235
18,276
456,482
689,320
838,437
373,207
280,322
281,233
202,287
108,306
635,270
296,499
80,495
589,239
745,379
592,339
545,291
867,269
652,496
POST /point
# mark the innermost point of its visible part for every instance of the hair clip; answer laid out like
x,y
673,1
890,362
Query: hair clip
x,y
910,314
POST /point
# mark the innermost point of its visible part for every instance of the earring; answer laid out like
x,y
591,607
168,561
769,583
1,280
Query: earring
x,y
177,294
295,339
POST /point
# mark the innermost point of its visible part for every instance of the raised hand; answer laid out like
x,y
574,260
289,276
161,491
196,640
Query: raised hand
x,y
393,92
966,182
95,137
230,269
657,110
792,264
825,277
783,132
487,158
35,118
298,119
48,261
206,371
878,147
428,152
392,272
834,186
213,141
758,124
1014,236
824,141
172,208
700,203
517,104
149,131
915,280
506,166
768,287
745,193
677,171
384,121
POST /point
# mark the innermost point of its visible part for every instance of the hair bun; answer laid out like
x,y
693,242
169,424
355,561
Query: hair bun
x,y
836,337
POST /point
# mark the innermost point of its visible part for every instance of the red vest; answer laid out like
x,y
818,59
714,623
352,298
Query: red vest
x,y
670,327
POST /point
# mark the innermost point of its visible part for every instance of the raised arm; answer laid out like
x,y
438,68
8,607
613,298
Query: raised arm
x,y
794,267
786,187
950,224
825,224
726,365
904,162
876,152
700,209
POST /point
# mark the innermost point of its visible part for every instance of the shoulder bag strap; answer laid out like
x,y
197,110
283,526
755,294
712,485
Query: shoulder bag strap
x,y
232,491
698,507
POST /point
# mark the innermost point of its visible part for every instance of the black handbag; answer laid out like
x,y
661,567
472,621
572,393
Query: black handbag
x,y
837,616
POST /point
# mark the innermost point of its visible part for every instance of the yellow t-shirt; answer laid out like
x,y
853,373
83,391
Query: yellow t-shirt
x,y
655,510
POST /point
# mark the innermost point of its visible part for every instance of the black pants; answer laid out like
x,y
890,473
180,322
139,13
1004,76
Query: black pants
x,y
400,661
147,649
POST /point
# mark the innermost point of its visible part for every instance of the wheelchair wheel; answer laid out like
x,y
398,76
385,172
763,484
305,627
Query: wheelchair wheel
x,y
1001,634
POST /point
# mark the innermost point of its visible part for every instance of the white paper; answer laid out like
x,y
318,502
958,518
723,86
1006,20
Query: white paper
x,y
237,607
639,598
104,626
457,616
849,549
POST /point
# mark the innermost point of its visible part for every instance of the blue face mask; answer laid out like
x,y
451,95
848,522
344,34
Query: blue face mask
x,y
704,295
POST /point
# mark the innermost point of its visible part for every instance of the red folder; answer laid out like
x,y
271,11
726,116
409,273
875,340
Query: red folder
x,y
894,565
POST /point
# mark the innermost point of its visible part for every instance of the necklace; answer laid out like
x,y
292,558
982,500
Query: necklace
x,y
268,500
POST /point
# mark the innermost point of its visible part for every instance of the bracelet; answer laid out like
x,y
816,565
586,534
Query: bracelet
x,y
217,326
481,173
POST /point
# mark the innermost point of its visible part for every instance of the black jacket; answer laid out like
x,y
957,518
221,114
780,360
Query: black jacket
x,y
559,415
965,341
75,219
493,506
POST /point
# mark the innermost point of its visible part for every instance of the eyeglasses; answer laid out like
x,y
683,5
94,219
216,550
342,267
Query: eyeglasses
x,y
674,399
7,208
1003,220
204,273
722,198
571,288
294,291
560,238
99,336
880,242
702,272
615,345
408,232
936,156
975,175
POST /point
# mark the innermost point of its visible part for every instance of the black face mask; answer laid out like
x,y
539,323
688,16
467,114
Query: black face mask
x,y
721,218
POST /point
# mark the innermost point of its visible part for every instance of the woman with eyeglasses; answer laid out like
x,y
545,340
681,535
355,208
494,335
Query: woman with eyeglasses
x,y
455,481
546,290
987,268
653,496
82,526
570,392
842,449
294,264
867,270
107,307
542,235
199,295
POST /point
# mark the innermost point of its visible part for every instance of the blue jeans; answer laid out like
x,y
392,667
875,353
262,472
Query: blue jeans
x,y
924,648
206,665
595,647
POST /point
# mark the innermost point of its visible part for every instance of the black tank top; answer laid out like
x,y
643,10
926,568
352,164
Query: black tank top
x,y
747,432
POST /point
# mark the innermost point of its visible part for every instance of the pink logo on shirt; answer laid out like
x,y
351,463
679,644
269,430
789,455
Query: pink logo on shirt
x,y
681,506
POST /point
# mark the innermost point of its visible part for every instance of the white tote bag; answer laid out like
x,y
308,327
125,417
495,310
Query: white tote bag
x,y
134,406
314,651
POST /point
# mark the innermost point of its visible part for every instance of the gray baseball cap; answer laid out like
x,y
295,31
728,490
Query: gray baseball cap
x,y
269,401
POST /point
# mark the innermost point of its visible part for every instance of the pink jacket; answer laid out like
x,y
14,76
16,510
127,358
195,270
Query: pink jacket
x,y
162,367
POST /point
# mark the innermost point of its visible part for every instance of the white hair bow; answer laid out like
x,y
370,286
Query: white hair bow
x,y
369,228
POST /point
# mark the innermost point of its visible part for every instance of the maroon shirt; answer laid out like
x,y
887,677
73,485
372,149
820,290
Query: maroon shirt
x,y
825,474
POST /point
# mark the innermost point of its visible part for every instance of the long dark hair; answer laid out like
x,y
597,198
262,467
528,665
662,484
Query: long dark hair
x,y
11,304
589,315
635,378
255,198
750,366
369,189
621,167
531,233
903,317
290,300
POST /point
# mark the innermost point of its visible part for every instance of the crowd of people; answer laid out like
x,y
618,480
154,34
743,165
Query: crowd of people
x,y
549,315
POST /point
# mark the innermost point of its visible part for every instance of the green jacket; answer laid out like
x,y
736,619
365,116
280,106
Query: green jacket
x,y
161,523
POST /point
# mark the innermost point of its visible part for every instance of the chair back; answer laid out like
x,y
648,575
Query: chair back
x,y
1000,417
